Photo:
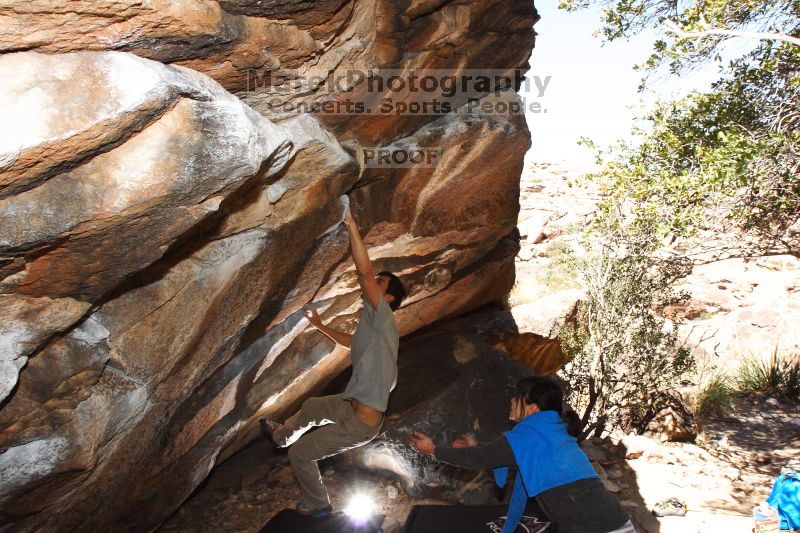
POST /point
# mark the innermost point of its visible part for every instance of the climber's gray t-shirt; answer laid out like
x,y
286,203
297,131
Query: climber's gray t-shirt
x,y
373,350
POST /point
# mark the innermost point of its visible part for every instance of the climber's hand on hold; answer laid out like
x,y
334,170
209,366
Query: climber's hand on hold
x,y
339,337
348,219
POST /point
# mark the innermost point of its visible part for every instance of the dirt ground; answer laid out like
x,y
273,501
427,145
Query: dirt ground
x,y
243,493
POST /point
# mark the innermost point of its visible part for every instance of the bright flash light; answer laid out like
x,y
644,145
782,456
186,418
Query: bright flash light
x,y
360,508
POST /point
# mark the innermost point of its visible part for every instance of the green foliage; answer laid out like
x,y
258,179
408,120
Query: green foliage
x,y
726,159
774,376
695,31
714,397
757,376
622,360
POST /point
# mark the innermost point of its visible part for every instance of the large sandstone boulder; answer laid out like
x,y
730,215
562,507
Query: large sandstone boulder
x,y
159,236
286,58
104,191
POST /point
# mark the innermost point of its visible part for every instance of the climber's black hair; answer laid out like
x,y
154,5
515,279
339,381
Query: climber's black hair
x,y
395,288
548,396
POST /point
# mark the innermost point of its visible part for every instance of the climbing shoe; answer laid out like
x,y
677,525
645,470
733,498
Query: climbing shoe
x,y
322,512
268,428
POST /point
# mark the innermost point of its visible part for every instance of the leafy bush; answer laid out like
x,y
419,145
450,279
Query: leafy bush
x,y
622,358
725,159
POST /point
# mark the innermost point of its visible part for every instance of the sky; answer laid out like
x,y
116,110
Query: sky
x,y
593,88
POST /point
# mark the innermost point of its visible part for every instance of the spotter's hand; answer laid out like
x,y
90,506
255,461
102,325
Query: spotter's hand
x,y
313,317
421,443
467,440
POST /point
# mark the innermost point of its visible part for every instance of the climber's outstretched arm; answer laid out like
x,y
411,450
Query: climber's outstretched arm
x,y
339,337
366,274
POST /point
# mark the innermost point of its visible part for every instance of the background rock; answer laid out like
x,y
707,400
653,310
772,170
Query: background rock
x,y
674,422
737,308
743,308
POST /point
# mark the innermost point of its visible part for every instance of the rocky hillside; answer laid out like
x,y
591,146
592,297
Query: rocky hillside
x,y
168,186
737,308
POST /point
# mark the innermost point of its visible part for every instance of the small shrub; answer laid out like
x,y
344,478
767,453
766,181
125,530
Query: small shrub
x,y
715,397
758,376
791,378
777,375
622,360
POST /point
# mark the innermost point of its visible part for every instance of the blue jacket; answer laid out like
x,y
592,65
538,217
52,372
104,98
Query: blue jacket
x,y
547,457
785,497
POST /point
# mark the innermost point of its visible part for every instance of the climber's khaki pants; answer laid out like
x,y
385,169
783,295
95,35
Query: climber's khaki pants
x,y
341,430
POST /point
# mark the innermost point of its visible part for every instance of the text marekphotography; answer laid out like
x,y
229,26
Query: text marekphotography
x,y
400,92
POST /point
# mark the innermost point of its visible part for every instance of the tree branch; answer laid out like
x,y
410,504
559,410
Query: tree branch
x,y
780,36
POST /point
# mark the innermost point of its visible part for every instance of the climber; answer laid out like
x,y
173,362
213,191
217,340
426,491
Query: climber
x,y
355,417
550,465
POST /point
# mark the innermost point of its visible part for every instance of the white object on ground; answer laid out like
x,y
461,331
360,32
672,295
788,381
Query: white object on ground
x,y
766,518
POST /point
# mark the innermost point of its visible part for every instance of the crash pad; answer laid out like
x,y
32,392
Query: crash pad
x,y
290,521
